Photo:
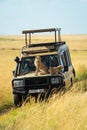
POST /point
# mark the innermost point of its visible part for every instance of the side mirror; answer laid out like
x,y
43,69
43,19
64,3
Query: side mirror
x,y
17,59
65,68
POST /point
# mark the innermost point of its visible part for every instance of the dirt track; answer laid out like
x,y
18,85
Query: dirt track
x,y
6,110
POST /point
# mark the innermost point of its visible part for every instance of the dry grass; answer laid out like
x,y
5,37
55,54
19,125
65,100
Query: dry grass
x,y
6,67
75,42
9,42
68,112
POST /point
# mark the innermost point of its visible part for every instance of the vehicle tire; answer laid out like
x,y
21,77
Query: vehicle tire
x,y
74,72
17,100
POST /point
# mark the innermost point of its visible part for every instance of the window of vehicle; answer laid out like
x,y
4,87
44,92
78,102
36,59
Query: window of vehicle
x,y
63,60
27,64
68,57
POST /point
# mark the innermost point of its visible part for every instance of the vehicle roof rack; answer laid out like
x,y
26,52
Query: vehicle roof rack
x,y
29,32
41,30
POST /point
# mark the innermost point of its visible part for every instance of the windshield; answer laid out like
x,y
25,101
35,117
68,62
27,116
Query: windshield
x,y
27,64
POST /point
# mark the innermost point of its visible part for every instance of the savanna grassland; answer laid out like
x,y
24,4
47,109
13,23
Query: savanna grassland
x,y
62,112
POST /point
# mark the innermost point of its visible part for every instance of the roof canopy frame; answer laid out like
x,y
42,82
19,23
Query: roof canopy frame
x,y
29,32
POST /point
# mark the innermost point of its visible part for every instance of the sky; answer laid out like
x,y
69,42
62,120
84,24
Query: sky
x,y
18,15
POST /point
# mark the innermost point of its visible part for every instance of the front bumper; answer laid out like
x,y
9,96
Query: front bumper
x,y
37,84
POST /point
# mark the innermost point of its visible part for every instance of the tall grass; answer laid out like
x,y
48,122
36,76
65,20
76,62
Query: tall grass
x,y
7,65
67,112
82,73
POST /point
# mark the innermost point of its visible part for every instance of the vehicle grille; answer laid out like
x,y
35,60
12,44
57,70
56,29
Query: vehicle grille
x,y
36,81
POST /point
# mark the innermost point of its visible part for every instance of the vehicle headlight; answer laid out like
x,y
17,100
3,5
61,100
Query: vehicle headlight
x,y
18,83
54,80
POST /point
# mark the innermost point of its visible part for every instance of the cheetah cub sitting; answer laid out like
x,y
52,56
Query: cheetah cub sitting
x,y
41,69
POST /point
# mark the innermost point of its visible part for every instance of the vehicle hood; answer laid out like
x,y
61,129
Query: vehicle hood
x,y
29,75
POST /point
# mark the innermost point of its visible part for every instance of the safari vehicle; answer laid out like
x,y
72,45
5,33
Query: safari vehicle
x,y
26,82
